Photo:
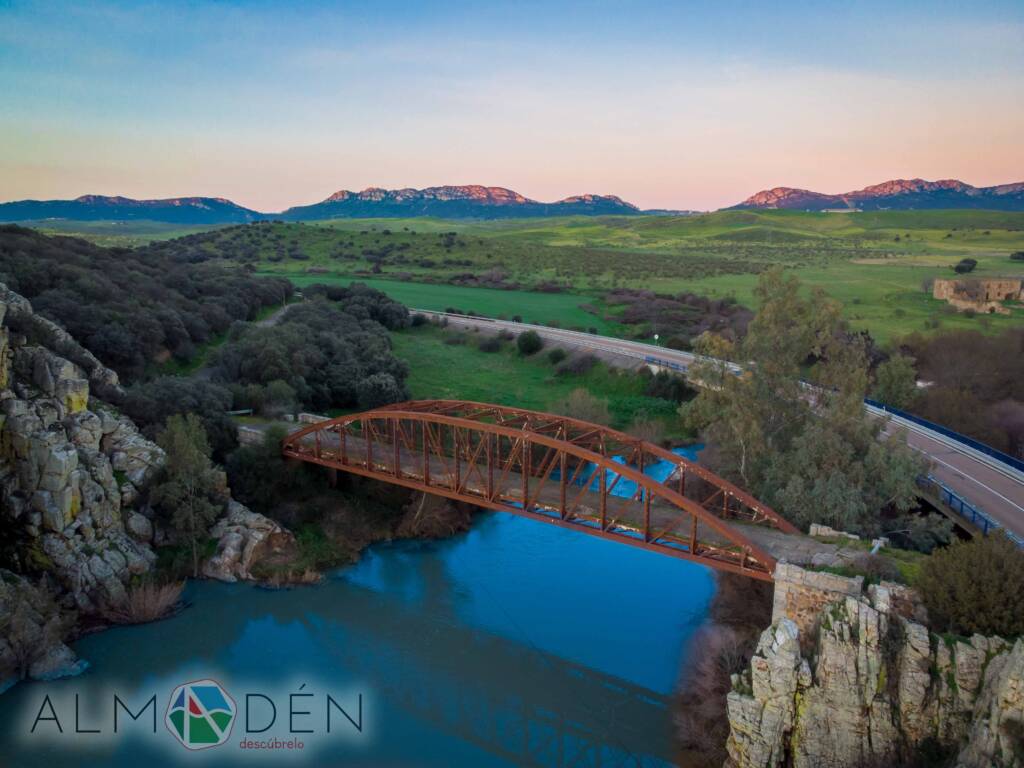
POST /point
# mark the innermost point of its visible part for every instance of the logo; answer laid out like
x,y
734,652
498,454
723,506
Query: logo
x,y
200,714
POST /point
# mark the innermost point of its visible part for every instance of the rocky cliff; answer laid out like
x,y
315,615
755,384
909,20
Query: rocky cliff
x,y
858,680
74,529
70,466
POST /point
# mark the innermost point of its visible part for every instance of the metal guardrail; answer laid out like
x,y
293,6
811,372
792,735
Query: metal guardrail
x,y
1005,458
651,353
965,509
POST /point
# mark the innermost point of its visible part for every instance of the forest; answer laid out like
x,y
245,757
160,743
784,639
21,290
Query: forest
x,y
131,308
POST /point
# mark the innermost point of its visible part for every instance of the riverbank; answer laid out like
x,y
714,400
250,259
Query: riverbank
x,y
737,615
498,645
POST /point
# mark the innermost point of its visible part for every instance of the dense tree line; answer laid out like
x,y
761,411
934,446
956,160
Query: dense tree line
x,y
323,355
151,403
131,307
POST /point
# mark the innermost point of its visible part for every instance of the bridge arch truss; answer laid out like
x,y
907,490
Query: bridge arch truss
x,y
551,468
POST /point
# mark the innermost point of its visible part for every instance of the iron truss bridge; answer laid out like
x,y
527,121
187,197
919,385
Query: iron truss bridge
x,y
555,469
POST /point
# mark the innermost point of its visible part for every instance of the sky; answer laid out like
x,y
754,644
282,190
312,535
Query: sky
x,y
668,105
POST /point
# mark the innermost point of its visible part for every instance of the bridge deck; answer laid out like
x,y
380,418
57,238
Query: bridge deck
x,y
540,495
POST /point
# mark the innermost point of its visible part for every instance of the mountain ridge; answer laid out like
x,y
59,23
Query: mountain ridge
x,y
450,201
894,194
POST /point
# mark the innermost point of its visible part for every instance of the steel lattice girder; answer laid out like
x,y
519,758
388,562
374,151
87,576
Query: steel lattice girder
x,y
507,459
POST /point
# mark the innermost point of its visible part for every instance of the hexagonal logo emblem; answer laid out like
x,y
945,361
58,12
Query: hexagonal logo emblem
x,y
200,714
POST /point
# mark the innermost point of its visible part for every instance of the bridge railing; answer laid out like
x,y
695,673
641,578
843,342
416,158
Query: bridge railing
x,y
652,354
988,450
965,509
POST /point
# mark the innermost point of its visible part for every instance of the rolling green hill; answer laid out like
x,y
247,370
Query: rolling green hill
x,y
876,262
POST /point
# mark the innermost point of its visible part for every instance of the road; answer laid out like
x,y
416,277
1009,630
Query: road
x,y
995,488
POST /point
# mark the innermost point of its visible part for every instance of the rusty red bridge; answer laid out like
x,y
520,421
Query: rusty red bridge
x,y
555,469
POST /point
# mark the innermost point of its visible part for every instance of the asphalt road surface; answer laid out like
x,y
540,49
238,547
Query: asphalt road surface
x,y
991,486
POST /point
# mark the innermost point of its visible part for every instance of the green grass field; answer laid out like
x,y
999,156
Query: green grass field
x,y
462,372
126,234
874,262
563,309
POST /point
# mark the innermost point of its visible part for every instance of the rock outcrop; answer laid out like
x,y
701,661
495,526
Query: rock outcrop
x,y
32,628
69,465
247,541
865,683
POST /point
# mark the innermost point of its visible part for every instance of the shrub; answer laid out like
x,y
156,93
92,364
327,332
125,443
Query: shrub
x,y
876,568
146,602
556,355
490,344
529,343
1017,256
577,365
975,586
668,386
582,405
646,428
965,265
418,319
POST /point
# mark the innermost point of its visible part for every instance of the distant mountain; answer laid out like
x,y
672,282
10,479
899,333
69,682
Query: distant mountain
x,y
453,202
898,194
458,202
175,210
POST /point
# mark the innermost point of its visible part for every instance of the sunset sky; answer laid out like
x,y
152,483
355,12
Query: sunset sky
x,y
671,104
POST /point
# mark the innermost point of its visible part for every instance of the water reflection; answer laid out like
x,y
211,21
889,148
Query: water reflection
x,y
516,644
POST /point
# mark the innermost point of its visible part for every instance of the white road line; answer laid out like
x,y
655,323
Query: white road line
x,y
961,474
640,350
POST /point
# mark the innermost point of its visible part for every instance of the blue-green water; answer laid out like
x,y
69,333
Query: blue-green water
x,y
517,643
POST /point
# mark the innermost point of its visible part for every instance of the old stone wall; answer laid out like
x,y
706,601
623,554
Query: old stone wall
x,y
800,595
983,295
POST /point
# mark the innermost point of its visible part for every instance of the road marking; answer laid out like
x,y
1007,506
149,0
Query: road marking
x,y
635,350
960,473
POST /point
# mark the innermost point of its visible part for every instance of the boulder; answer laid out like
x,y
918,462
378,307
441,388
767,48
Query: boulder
x,y
140,527
245,540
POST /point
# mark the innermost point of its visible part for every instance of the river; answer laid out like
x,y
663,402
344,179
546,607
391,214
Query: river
x,y
517,643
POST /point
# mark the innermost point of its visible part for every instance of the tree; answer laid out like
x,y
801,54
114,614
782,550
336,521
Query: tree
x,y
278,397
380,389
192,491
811,452
975,586
964,266
1017,256
896,382
529,342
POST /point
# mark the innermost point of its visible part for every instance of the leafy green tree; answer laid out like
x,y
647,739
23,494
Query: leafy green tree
x,y
809,451
975,586
380,389
896,382
191,491
278,397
